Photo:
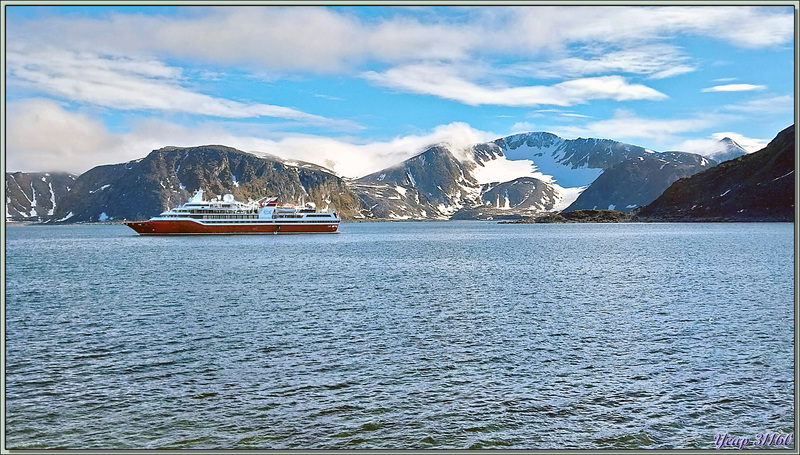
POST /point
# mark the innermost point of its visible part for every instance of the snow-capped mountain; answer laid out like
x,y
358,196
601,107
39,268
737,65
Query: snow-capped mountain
x,y
523,174
570,162
725,149
433,184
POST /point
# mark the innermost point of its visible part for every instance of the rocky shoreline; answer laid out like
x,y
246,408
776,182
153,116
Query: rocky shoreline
x,y
578,216
615,216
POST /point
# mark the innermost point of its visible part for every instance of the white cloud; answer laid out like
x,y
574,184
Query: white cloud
x,y
326,40
44,136
523,127
131,84
279,38
767,105
445,81
626,125
352,158
706,147
657,61
555,26
734,88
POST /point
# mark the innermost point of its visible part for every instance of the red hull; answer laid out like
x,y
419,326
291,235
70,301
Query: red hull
x,y
185,227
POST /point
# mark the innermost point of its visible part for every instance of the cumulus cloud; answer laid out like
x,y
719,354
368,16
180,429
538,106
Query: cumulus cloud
x,y
704,146
45,136
445,81
355,158
734,88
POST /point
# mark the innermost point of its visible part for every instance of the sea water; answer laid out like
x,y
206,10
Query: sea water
x,y
443,335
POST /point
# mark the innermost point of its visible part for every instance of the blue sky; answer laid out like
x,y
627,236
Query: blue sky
x,y
359,88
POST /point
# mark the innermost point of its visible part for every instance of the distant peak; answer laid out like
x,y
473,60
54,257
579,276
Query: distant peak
x,y
541,134
729,143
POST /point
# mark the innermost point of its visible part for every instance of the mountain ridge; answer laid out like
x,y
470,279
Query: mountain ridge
x,y
168,176
510,177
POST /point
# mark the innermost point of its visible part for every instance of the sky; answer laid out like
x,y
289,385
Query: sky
x,y
360,88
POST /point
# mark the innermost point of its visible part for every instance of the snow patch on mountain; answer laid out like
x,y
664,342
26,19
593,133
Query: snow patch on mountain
x,y
52,199
566,196
501,169
68,216
551,157
104,187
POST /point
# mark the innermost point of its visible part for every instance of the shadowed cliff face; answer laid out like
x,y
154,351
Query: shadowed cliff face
x,y
638,181
759,186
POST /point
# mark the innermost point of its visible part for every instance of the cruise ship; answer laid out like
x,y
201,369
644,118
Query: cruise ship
x,y
225,215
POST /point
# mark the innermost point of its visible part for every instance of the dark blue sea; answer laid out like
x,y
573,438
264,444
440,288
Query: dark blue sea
x,y
421,335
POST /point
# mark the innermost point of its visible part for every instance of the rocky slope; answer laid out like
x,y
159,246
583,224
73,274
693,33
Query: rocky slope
x,y
433,184
759,186
35,196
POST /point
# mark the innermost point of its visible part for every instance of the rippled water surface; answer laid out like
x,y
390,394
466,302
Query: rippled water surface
x,y
400,335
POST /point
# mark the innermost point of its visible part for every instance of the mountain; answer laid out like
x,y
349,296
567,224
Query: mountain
x,y
35,196
725,149
522,175
759,186
638,181
571,162
432,184
443,183
167,177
